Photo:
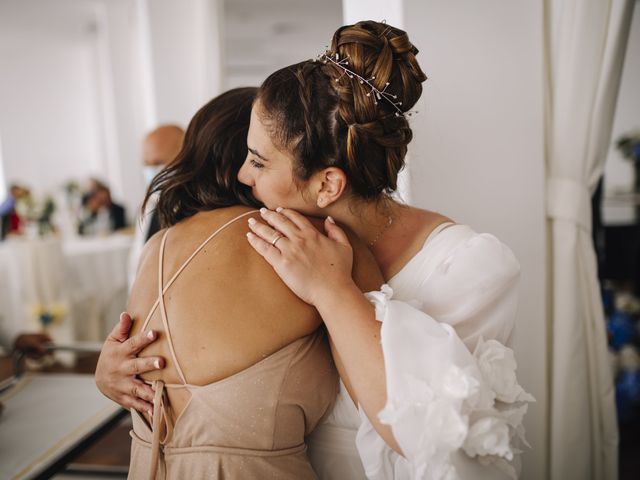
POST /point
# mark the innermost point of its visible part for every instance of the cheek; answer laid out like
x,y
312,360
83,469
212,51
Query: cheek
x,y
275,192
286,187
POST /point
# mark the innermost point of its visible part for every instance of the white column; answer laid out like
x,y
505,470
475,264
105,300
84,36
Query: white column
x,y
159,62
125,107
186,59
110,146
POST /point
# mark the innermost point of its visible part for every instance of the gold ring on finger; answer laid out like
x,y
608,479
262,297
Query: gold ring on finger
x,y
275,240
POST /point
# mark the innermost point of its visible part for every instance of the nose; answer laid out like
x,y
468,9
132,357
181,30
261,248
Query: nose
x,y
244,174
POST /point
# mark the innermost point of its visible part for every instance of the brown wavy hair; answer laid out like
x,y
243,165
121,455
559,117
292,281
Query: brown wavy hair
x,y
204,174
327,119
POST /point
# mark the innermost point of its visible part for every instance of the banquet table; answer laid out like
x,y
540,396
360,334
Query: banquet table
x,y
79,285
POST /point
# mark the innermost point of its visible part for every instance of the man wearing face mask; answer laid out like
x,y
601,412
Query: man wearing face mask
x,y
159,148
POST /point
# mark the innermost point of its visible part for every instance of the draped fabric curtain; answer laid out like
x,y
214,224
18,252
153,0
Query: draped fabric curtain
x,y
585,43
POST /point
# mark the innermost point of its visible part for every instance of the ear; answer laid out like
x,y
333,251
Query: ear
x,y
329,183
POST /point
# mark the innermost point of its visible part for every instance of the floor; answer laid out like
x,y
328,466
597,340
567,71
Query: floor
x,y
108,457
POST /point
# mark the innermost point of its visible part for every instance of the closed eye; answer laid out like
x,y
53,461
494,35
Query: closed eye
x,y
255,164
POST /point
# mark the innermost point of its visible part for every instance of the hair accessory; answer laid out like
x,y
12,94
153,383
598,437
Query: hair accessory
x,y
377,94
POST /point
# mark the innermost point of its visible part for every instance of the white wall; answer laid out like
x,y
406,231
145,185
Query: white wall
x,y
49,115
478,152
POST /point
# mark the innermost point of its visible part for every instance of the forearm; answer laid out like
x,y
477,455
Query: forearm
x,y
355,333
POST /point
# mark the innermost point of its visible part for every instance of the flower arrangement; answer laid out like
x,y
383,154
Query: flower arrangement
x,y
36,212
48,315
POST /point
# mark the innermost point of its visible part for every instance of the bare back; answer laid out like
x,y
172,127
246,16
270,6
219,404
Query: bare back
x,y
228,308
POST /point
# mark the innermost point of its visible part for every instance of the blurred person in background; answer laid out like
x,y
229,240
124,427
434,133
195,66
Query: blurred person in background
x,y
11,222
159,148
100,214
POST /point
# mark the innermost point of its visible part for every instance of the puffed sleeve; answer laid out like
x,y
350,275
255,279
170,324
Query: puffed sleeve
x,y
454,413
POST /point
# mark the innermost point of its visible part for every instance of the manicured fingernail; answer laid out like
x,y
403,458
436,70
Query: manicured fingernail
x,y
156,363
151,334
331,220
279,209
263,210
252,221
249,235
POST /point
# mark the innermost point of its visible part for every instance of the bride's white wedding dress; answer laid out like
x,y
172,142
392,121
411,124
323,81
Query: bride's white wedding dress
x,y
453,400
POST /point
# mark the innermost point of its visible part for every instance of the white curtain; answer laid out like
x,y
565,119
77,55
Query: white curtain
x,y
585,43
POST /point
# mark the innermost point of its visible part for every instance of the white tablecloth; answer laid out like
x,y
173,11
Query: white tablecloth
x,y
84,278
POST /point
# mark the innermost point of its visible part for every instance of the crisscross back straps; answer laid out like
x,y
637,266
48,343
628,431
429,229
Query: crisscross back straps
x,y
163,289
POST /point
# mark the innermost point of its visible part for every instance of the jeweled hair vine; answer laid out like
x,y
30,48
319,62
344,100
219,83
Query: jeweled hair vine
x,y
343,65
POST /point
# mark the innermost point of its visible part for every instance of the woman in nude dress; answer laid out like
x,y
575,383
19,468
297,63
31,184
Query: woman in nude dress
x,y
248,370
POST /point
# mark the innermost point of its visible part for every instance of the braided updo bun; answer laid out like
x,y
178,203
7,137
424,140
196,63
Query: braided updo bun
x,y
325,117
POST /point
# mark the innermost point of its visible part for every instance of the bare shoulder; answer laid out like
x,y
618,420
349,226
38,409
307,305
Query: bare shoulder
x,y
424,220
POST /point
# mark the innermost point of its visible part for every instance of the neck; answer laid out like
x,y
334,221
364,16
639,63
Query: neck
x,y
369,220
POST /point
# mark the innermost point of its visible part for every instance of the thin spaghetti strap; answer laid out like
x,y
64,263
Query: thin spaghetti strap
x,y
175,275
155,305
163,289
439,228
163,309
203,244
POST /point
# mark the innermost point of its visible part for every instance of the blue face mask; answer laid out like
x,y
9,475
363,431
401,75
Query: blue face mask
x,y
150,171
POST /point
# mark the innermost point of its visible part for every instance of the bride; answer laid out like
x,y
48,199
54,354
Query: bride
x,y
428,381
